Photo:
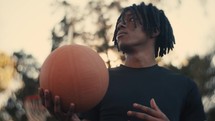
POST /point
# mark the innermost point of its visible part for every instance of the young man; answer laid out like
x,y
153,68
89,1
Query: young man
x,y
140,90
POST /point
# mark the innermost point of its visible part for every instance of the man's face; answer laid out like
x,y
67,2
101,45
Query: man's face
x,y
130,32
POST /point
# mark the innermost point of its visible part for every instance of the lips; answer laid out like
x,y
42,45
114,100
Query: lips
x,y
121,33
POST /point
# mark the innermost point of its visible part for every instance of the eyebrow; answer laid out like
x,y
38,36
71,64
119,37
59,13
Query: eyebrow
x,y
126,14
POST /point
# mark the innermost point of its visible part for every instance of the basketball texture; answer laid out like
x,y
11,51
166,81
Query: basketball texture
x,y
77,74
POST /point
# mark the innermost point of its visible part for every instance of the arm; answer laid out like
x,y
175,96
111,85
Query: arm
x,y
193,108
152,113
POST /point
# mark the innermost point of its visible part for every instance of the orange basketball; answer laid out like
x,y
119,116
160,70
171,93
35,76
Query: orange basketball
x,y
77,74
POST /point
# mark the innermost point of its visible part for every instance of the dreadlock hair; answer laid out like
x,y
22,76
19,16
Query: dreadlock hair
x,y
152,20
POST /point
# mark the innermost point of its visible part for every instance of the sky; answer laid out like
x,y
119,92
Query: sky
x,y
26,25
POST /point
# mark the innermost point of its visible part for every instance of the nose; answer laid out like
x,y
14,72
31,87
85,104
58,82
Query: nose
x,y
121,25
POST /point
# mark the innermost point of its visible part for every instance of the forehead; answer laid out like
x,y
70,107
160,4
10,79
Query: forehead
x,y
127,13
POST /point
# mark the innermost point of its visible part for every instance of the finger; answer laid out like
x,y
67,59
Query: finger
x,y
75,118
154,105
59,113
143,116
70,112
57,106
57,109
47,99
71,109
41,94
146,110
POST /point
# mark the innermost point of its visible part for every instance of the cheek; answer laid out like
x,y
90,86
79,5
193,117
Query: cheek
x,y
136,36
139,34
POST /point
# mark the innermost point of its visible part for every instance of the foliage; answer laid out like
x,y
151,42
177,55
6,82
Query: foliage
x,y
27,66
201,70
7,70
92,27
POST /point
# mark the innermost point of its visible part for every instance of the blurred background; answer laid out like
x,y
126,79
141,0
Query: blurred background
x,y
31,29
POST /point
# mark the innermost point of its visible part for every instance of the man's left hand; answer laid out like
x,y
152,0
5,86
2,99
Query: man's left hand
x,y
152,113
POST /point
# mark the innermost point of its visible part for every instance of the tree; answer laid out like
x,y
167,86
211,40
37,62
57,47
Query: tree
x,y
28,68
7,70
202,71
92,27
199,69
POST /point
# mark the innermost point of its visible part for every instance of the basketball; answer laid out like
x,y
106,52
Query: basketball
x,y
77,74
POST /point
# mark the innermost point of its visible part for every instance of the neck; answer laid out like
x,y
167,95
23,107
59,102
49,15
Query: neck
x,y
139,61
144,57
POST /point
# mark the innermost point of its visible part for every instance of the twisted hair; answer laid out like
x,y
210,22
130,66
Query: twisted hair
x,y
152,20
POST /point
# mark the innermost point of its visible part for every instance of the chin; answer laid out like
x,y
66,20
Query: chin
x,y
125,48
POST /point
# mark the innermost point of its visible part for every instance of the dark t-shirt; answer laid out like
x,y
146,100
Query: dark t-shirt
x,y
177,96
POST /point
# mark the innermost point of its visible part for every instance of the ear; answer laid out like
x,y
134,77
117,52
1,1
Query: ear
x,y
155,33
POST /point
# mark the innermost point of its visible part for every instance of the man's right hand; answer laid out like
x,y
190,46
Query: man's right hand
x,y
54,107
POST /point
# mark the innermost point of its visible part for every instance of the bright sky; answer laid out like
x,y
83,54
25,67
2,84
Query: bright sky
x,y
26,24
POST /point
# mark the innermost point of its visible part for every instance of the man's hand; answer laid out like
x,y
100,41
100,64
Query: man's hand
x,y
152,113
46,99
65,116
54,107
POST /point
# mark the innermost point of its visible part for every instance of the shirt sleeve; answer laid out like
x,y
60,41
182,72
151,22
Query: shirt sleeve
x,y
193,110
